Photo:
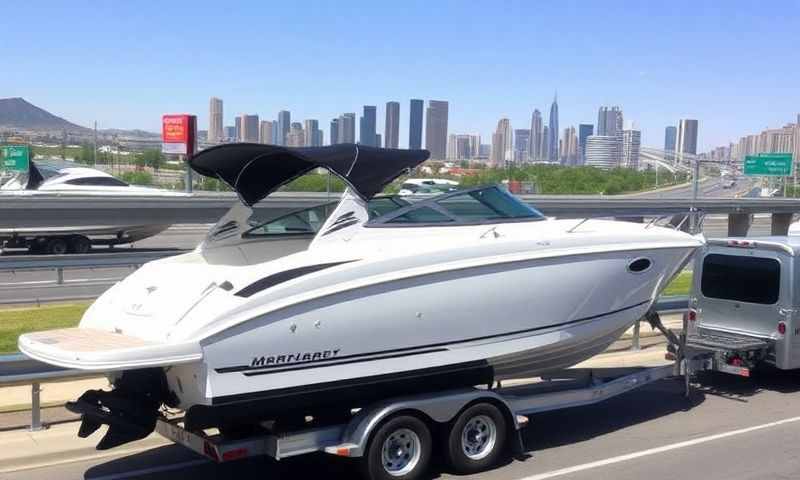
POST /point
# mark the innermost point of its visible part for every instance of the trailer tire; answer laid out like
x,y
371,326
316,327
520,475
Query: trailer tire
x,y
79,244
476,438
399,450
56,246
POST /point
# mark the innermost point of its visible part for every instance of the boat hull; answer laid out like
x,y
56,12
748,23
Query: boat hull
x,y
503,321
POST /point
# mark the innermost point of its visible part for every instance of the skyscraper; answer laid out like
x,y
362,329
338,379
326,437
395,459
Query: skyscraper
x,y
436,129
569,153
296,137
552,148
601,151
347,128
584,131
609,124
631,145
313,136
378,140
670,137
686,139
274,132
367,129
250,128
522,142
535,146
502,149
334,131
215,118
415,124
230,134
238,129
392,125
284,123
265,133
545,148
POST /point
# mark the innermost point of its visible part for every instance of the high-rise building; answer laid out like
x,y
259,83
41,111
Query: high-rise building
x,y
631,145
284,123
230,134
415,124
436,129
215,118
296,137
347,128
545,148
462,147
475,146
392,125
250,126
502,146
686,139
609,124
334,131
378,140
238,129
265,132
275,132
535,146
670,138
584,131
601,151
313,136
569,145
367,124
552,149
522,142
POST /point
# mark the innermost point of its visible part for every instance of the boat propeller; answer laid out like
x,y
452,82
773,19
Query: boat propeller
x,y
130,409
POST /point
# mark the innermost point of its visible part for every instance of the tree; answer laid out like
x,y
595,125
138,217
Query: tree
x,y
153,158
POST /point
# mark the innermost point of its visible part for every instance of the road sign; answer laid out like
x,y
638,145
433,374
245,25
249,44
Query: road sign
x,y
768,164
178,134
15,157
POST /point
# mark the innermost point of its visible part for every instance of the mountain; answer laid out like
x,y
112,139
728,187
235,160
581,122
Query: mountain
x,y
20,114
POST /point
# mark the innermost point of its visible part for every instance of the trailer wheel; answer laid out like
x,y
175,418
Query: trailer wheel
x,y
399,449
476,438
56,246
79,244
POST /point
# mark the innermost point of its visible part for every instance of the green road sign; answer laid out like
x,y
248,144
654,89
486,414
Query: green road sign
x,y
768,164
15,157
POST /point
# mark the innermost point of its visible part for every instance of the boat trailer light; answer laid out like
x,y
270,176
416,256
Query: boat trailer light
x,y
344,450
781,328
691,315
742,243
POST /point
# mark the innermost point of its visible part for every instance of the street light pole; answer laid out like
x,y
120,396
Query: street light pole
x,y
693,225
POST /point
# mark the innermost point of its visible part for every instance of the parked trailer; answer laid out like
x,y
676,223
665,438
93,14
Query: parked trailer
x,y
393,439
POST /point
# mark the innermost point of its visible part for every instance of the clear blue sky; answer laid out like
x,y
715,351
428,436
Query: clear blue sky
x,y
733,65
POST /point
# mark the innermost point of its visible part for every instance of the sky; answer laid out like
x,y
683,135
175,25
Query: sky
x,y
732,65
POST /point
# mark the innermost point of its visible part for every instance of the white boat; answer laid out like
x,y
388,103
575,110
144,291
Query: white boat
x,y
390,297
66,178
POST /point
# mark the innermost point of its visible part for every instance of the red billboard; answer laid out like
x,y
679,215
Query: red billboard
x,y
178,133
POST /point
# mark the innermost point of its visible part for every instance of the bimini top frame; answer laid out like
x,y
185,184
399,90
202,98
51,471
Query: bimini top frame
x,y
255,170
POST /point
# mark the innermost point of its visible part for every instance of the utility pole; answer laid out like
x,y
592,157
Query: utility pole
x,y
694,221
94,152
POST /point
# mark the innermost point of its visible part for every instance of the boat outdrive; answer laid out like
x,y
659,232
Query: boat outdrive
x,y
392,296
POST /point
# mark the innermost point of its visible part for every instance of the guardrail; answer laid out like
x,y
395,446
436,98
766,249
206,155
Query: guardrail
x,y
18,369
60,263
40,209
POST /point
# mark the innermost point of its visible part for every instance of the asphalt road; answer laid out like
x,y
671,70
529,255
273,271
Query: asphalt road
x,y
729,429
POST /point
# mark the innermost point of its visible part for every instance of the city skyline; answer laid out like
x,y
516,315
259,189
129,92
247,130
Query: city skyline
x,y
163,72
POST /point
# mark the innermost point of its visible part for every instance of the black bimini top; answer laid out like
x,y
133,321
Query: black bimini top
x,y
256,170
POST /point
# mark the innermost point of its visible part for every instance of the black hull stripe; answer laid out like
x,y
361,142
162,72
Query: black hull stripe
x,y
399,352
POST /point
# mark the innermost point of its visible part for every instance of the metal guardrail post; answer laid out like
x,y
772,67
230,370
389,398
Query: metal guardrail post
x,y
635,341
36,408
59,276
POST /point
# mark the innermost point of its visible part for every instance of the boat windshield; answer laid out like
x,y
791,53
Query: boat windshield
x,y
310,220
478,205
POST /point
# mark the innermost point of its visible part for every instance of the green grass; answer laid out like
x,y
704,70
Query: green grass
x,y
680,285
16,321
